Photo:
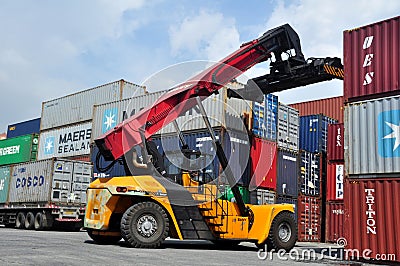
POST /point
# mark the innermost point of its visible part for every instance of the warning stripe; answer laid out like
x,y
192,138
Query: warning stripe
x,y
334,71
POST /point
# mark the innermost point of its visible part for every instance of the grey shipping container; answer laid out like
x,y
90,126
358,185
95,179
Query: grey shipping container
x,y
310,173
288,127
262,196
106,116
46,182
65,141
4,183
287,173
372,141
78,107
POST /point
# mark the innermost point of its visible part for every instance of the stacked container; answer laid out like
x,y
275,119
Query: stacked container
x,y
19,149
23,128
372,119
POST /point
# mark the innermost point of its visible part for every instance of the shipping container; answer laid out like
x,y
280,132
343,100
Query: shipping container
x,y
287,173
289,200
65,142
19,149
331,107
4,183
24,128
49,181
372,61
334,182
309,219
314,132
335,149
227,194
311,171
288,127
334,221
265,117
371,137
78,107
372,217
262,196
263,160
116,170
106,116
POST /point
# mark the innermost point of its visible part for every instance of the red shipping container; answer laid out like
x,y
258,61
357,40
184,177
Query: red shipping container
x,y
335,149
372,217
263,160
334,181
372,60
332,107
309,219
334,221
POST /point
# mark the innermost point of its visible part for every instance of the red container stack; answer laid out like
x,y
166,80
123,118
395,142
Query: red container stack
x,y
309,218
372,186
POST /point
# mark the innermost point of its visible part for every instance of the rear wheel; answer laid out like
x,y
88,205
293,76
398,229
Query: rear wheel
x,y
29,221
39,221
145,225
103,239
20,221
283,232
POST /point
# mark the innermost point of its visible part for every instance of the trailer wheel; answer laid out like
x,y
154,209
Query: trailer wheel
x,y
29,221
145,225
20,221
283,232
39,222
103,239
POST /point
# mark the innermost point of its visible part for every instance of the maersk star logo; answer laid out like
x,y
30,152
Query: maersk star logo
x,y
49,146
109,119
389,133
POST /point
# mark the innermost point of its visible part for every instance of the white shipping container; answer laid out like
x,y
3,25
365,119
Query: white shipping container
x,y
78,107
288,127
372,137
65,142
52,181
106,116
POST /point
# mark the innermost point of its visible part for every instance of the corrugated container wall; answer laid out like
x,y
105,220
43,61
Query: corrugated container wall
x,y
65,142
78,107
107,116
23,128
289,200
309,219
334,181
288,127
314,132
331,107
19,149
4,183
310,173
335,149
287,175
49,181
372,61
263,160
262,196
265,117
372,216
334,221
371,137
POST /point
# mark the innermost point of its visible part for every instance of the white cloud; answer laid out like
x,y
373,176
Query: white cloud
x,y
208,35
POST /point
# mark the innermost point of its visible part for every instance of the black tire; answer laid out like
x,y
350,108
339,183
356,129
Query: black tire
x,y
39,222
225,243
283,232
29,221
20,221
145,225
103,239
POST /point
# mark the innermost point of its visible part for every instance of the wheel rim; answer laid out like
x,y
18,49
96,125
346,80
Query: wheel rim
x,y
147,225
284,232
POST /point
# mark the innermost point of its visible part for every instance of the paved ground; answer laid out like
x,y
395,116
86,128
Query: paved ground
x,y
21,247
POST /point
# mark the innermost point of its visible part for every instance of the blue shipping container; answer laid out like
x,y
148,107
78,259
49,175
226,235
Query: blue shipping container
x,y
116,170
314,132
24,128
287,173
310,173
265,117
288,200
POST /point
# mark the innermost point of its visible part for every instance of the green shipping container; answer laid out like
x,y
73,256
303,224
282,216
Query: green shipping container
x,y
18,150
228,194
4,182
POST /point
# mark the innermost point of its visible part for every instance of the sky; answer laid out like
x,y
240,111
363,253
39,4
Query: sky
x,y
49,49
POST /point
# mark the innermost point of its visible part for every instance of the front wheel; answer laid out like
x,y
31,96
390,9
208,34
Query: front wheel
x,y
145,225
283,232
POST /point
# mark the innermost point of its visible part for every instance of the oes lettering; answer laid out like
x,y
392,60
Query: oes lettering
x,y
29,182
